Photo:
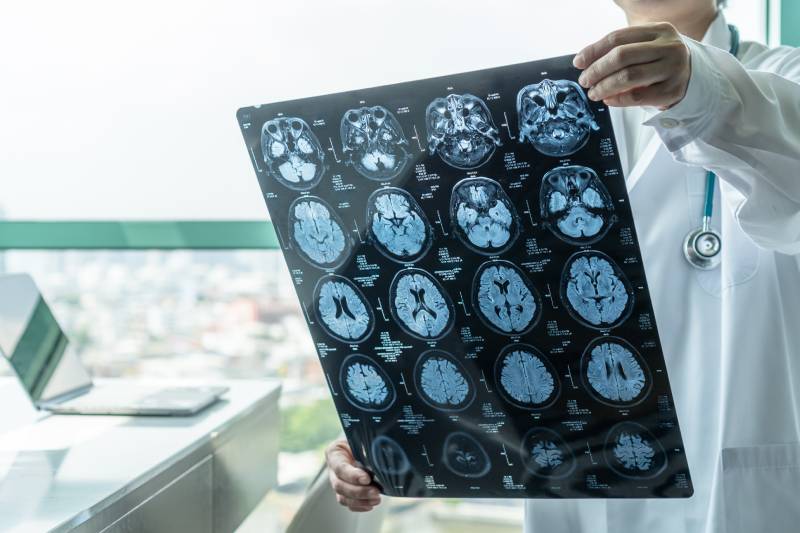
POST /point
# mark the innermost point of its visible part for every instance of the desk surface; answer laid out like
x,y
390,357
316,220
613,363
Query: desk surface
x,y
61,470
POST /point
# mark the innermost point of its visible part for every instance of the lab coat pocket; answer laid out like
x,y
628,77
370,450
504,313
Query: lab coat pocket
x,y
761,485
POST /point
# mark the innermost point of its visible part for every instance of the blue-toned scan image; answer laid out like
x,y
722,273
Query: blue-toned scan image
x,y
388,456
525,377
555,117
365,384
317,232
342,309
545,454
443,382
420,304
576,205
504,298
373,142
397,225
461,130
596,291
632,451
615,371
482,215
292,153
464,456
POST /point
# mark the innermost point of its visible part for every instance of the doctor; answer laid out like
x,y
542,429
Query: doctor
x,y
697,123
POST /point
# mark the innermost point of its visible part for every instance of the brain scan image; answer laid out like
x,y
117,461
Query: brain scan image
x,y
555,117
420,305
634,452
595,290
388,456
464,456
545,454
443,382
397,225
461,130
317,232
615,372
365,384
525,377
504,298
576,205
292,153
482,215
373,142
342,309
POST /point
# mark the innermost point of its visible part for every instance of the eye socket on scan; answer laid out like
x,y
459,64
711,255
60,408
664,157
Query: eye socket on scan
x,y
539,100
272,128
352,117
560,97
379,114
296,126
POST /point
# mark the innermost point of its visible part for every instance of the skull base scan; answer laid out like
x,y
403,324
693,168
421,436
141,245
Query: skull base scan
x,y
555,117
595,290
397,225
482,215
317,232
373,142
461,130
420,304
292,153
504,298
575,204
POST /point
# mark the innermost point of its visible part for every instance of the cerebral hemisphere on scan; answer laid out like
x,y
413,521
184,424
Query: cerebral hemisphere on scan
x,y
373,142
365,384
555,117
546,454
292,153
464,456
614,370
575,204
483,216
398,225
317,232
461,130
596,290
342,309
420,304
634,452
525,376
388,456
504,297
442,381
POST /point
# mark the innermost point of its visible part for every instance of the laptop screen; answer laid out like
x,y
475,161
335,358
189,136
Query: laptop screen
x,y
30,337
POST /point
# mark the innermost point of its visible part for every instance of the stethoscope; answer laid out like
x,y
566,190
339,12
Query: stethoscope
x,y
702,247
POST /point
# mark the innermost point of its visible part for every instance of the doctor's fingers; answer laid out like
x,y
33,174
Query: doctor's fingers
x,y
658,95
629,78
353,492
342,464
619,58
357,506
632,34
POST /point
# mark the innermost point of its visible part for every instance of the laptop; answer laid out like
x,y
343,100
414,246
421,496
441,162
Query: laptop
x,y
38,351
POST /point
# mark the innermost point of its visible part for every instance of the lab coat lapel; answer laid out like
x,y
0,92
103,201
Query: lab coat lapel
x,y
634,170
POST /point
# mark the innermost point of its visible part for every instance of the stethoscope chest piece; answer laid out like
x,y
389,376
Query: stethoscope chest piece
x,y
702,248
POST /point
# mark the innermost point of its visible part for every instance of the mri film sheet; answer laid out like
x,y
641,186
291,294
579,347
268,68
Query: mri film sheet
x,y
464,253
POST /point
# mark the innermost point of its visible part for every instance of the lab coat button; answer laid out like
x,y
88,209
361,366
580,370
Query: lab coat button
x,y
669,123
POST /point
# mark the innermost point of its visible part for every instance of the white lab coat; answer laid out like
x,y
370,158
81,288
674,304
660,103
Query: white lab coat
x,y
731,336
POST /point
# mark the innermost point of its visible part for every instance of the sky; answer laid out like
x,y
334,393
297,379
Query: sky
x,y
127,110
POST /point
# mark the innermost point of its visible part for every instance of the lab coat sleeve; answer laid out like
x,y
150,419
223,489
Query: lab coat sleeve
x,y
744,124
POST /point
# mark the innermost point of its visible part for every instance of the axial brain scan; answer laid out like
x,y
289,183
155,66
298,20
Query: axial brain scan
x,y
555,117
373,142
545,454
615,371
389,457
365,384
504,297
342,309
483,216
397,225
292,152
525,377
464,456
420,304
461,130
443,382
317,232
632,451
575,204
597,292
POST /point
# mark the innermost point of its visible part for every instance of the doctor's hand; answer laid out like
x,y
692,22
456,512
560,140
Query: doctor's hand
x,y
639,65
352,484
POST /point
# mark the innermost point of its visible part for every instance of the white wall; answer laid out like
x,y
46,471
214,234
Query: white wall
x,y
127,110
